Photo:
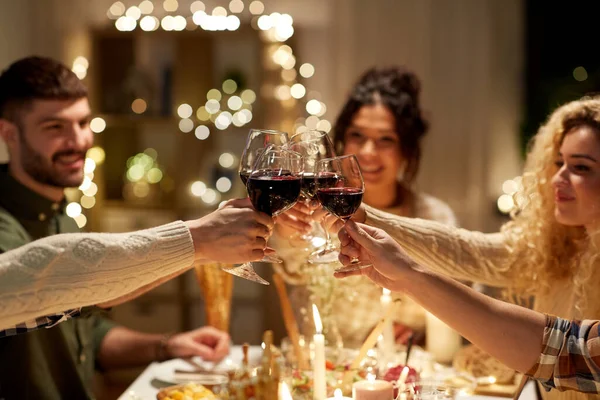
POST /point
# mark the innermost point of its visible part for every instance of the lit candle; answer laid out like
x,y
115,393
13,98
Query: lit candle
x,y
337,395
372,390
284,392
442,341
401,383
388,337
320,388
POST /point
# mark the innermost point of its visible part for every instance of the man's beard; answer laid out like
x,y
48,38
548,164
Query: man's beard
x,y
44,172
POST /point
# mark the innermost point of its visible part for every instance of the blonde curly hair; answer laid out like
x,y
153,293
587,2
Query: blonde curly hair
x,y
544,250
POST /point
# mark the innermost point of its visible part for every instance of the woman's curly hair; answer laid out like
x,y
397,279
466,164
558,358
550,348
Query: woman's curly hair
x,y
544,250
398,89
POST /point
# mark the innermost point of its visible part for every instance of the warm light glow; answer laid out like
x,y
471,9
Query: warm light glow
x,y
247,115
580,74
87,182
202,114
226,160
97,154
256,7
92,190
198,188
167,23
219,12
141,189
212,106
80,220
324,125
81,60
223,120
139,105
73,209
289,75
284,392
89,165
307,70
87,202
97,125
282,92
323,109
235,103
265,23
509,187
213,94
202,132
186,125
223,184
117,9
232,23
236,6
229,86
337,394
317,319
211,196
197,6
184,111
313,107
155,175
179,23
134,12
289,63
311,122
125,24
298,90
386,292
80,71
149,23
170,5
248,96
146,7
505,203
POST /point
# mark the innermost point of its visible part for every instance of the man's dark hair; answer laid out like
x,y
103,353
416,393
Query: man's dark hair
x,y
36,78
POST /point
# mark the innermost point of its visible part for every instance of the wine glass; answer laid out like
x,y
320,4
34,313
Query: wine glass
x,y
314,145
257,142
340,189
273,187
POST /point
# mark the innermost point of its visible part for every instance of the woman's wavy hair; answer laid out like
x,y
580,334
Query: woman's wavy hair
x,y
398,89
544,250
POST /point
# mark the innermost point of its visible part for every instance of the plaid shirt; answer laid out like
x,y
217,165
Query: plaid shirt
x,y
42,322
570,358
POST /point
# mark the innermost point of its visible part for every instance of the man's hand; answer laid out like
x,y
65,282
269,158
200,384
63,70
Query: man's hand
x,y
235,233
207,342
391,265
295,221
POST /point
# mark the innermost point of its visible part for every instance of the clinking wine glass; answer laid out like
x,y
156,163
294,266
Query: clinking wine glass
x,y
340,189
273,187
313,145
257,142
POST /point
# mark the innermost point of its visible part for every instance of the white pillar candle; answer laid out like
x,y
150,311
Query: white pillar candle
x,y
284,392
319,383
442,341
372,390
337,395
388,338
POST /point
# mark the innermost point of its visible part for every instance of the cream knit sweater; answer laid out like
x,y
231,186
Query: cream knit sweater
x,y
69,271
478,257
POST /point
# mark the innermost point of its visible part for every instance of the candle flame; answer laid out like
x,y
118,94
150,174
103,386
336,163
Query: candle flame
x,y
386,292
337,394
317,318
284,392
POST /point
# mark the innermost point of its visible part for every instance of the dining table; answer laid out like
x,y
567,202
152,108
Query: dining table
x,y
159,375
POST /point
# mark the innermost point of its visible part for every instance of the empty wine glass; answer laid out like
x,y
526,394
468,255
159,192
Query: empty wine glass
x,y
340,189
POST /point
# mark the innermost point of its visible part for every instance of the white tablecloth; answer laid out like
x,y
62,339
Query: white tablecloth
x,y
156,375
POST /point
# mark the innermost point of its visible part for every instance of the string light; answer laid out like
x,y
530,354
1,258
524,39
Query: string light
x,y
97,125
256,7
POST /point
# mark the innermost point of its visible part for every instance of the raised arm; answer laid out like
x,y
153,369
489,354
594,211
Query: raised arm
x,y
458,253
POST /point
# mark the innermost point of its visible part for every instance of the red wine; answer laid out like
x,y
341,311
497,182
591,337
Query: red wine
x,y
273,194
341,202
310,184
244,175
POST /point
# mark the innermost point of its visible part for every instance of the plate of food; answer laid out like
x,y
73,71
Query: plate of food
x,y
190,391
